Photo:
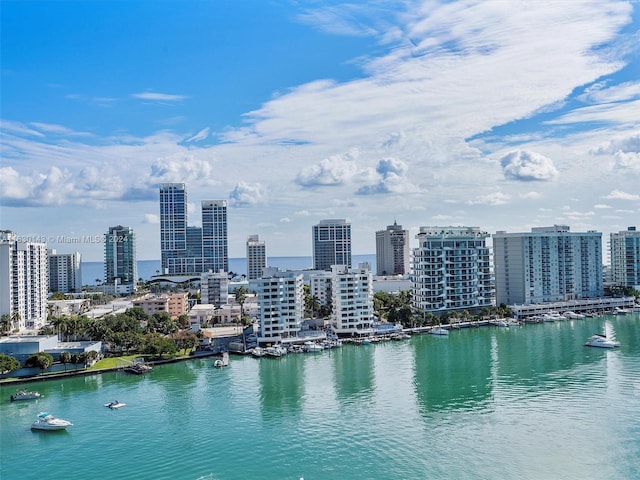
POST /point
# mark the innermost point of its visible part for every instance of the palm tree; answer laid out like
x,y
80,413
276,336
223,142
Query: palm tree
x,y
15,319
241,296
5,323
65,357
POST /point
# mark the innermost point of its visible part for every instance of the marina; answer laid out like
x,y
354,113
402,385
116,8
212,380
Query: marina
x,y
412,409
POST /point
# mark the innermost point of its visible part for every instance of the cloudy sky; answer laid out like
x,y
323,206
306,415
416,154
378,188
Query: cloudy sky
x,y
503,115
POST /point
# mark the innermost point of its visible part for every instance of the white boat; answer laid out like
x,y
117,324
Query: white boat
x,y
46,421
600,340
24,394
275,351
512,322
115,404
313,347
258,352
218,363
573,315
439,331
499,322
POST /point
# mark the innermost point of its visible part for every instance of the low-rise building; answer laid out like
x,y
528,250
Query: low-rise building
x,y
201,315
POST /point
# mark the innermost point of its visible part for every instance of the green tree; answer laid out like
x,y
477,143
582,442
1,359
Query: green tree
x,y
15,320
65,357
158,345
42,360
8,364
5,323
241,296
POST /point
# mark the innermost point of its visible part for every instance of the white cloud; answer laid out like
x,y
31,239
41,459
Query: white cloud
x,y
620,195
165,97
394,179
530,195
527,166
201,135
497,198
601,206
332,171
245,194
151,218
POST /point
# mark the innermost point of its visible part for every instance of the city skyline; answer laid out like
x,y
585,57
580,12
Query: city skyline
x,y
493,114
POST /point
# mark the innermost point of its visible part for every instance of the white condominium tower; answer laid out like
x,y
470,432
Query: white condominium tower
x,y
281,303
625,258
549,264
331,244
65,272
392,251
451,269
173,227
256,257
214,289
120,263
23,281
215,250
352,301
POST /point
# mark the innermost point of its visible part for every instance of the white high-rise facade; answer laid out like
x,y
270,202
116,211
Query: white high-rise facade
x,y
331,244
392,251
352,301
120,262
214,288
173,227
548,264
281,305
215,250
320,287
625,258
23,281
65,272
451,269
256,257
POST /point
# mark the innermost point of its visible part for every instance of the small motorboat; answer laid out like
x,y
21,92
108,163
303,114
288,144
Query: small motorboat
x,y
114,404
46,421
602,341
24,394
439,331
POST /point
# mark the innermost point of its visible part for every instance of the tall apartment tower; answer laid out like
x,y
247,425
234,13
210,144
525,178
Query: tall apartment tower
x,y
173,227
214,288
331,244
281,302
215,249
256,257
549,264
451,269
23,281
625,258
65,272
120,267
392,251
352,301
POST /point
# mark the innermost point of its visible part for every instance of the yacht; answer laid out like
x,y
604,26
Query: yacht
x,y
24,394
313,347
46,421
275,351
600,340
573,315
439,331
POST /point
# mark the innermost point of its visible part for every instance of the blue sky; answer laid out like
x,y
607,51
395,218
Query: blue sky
x,y
501,115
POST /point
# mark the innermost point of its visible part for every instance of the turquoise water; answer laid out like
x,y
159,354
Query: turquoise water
x,y
527,402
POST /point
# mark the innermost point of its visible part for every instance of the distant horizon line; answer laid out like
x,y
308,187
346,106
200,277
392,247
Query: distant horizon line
x,y
232,258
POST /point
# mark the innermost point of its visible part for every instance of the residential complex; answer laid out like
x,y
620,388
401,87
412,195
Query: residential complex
x,y
23,281
392,251
175,304
352,301
625,258
65,272
281,300
256,257
549,264
187,249
120,264
451,269
331,244
214,288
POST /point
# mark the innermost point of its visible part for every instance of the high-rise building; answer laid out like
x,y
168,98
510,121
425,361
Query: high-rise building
x,y
188,249
392,251
352,301
23,281
331,244
173,227
451,269
549,264
281,303
120,267
256,257
215,250
214,288
625,258
65,272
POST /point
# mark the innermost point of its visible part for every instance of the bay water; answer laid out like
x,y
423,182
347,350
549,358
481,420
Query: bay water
x,y
528,402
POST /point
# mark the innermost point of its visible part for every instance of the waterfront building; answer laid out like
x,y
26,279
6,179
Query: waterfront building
x,y
23,281
331,244
65,272
281,302
392,251
548,264
173,227
256,257
120,265
175,304
201,316
352,301
625,258
451,270
320,287
214,288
